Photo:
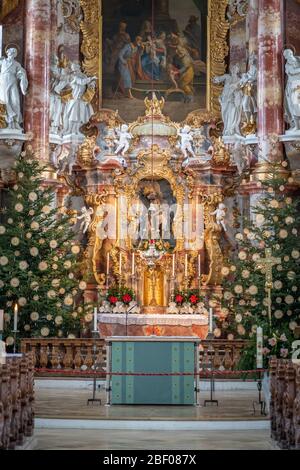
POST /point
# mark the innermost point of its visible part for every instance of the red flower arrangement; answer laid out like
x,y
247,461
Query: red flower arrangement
x,y
194,299
179,299
113,300
126,299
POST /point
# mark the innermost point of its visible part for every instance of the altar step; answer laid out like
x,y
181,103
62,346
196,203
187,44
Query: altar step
x,y
152,425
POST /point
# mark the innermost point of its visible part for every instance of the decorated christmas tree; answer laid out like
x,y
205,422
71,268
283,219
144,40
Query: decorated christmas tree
x,y
262,280
37,259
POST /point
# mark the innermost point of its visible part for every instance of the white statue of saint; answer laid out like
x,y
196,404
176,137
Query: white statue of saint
x,y
12,74
59,81
248,83
292,91
231,100
186,146
86,217
220,214
77,111
124,140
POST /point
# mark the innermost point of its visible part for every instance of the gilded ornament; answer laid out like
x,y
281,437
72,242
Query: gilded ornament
x,y
221,155
3,123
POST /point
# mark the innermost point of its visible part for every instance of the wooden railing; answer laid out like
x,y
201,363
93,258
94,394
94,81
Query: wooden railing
x,y
79,354
285,403
16,401
66,354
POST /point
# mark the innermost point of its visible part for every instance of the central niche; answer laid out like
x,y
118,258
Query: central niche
x,y
157,207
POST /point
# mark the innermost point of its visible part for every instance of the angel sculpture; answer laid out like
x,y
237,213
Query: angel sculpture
x,y
124,140
220,214
186,143
86,218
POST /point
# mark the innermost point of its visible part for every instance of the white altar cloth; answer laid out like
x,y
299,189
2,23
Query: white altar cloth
x,y
143,319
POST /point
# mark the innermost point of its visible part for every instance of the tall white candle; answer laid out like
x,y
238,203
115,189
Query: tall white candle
x,y
107,264
173,265
133,264
95,318
1,320
186,266
259,348
210,320
199,265
16,317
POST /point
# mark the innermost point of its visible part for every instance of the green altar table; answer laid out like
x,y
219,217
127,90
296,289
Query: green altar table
x,y
152,355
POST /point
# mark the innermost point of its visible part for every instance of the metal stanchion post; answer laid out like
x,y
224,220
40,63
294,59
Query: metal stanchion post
x,y
95,366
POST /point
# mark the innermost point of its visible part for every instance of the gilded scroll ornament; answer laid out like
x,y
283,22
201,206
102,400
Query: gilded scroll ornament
x,y
92,40
218,49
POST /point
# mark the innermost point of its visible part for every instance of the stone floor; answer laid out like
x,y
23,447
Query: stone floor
x,y
62,439
72,404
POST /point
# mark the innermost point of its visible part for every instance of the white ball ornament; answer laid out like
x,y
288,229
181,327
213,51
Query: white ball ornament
x,y
45,331
2,230
3,261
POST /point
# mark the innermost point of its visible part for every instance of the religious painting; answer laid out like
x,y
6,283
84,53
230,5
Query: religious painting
x,y
154,45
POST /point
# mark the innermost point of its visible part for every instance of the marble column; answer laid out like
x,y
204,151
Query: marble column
x,y
37,64
252,26
270,80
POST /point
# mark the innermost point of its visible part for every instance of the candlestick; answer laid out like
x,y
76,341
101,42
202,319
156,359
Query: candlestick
x,y
133,264
259,348
211,320
186,266
95,319
173,265
107,264
120,264
16,317
199,265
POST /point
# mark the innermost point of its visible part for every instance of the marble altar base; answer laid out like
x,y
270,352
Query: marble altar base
x,y
154,324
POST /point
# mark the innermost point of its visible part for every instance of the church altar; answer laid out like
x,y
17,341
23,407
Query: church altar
x,y
155,324
152,355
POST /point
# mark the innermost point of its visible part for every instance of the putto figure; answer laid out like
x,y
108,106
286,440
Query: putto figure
x,y
12,74
220,214
86,218
124,140
186,143
292,91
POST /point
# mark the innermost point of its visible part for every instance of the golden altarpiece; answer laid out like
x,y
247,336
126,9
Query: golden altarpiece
x,y
154,169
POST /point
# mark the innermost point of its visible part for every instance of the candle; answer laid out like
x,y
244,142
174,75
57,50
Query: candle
x,y
1,320
186,266
133,264
107,264
199,265
259,348
16,317
210,320
95,318
173,265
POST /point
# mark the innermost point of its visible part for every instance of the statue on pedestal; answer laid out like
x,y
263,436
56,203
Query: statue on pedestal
x,y
231,101
292,91
59,81
249,102
78,111
186,146
12,74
